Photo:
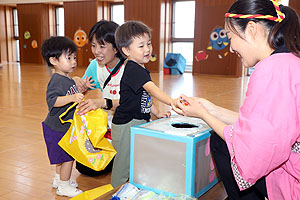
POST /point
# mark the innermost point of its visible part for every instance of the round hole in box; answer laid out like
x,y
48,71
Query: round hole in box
x,y
184,125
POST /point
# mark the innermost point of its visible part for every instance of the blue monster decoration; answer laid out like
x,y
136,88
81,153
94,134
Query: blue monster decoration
x,y
218,39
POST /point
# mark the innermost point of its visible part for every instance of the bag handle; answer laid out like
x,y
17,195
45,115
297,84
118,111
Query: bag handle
x,y
64,113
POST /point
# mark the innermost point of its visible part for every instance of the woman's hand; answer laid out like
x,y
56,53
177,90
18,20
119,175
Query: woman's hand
x,y
90,104
89,83
84,84
209,106
189,106
80,84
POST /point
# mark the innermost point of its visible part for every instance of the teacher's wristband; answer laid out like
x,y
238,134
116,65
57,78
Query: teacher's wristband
x,y
109,104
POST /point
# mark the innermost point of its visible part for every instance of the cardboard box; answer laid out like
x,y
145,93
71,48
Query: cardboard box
x,y
175,62
171,160
167,71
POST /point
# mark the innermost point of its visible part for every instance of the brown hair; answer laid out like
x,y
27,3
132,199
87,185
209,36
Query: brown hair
x,y
129,30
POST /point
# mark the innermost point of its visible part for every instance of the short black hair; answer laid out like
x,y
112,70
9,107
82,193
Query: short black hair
x,y
55,46
104,31
129,30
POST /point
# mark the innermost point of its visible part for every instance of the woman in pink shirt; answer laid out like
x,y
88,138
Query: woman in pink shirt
x,y
257,151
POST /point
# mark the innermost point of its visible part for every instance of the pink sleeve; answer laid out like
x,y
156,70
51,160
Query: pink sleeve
x,y
267,126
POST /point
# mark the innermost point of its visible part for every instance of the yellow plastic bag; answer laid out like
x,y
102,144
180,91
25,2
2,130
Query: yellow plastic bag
x,y
94,193
77,143
95,133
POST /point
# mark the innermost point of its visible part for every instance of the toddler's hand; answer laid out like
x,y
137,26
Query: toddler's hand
x,y
162,115
78,97
174,101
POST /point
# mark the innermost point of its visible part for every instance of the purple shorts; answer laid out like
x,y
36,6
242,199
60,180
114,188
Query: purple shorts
x,y
55,153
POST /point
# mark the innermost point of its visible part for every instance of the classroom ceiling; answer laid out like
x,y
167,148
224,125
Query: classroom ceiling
x,y
30,1
5,2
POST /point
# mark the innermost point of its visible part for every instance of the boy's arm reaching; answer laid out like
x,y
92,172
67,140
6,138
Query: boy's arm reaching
x,y
158,93
64,100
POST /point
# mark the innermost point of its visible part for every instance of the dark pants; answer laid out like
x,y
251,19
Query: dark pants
x,y
221,157
90,172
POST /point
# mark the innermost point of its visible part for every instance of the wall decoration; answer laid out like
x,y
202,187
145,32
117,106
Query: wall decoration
x,y
26,35
34,44
80,38
218,40
201,55
153,58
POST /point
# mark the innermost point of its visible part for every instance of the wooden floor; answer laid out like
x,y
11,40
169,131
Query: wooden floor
x,y
25,172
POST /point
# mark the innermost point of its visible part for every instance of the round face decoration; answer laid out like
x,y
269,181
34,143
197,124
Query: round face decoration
x,y
80,38
153,58
34,44
26,35
218,39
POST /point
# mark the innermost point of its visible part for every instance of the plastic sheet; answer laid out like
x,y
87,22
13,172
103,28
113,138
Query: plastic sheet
x,y
131,192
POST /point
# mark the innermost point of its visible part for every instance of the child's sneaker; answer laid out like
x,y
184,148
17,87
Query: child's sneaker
x,y
67,190
55,182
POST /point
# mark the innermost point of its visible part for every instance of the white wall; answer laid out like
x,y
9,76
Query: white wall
x,y
284,2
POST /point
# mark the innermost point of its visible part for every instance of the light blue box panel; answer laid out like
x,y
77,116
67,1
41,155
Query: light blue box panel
x,y
175,62
171,160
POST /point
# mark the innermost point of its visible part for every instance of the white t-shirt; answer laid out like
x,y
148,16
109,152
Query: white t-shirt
x,y
100,73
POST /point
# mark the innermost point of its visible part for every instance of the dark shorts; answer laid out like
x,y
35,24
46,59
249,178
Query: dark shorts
x,y
55,153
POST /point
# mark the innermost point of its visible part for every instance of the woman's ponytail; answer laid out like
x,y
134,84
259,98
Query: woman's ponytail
x,y
287,32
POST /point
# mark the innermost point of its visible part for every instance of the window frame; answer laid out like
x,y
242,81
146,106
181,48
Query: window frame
x,y
111,9
56,20
177,39
174,39
15,23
